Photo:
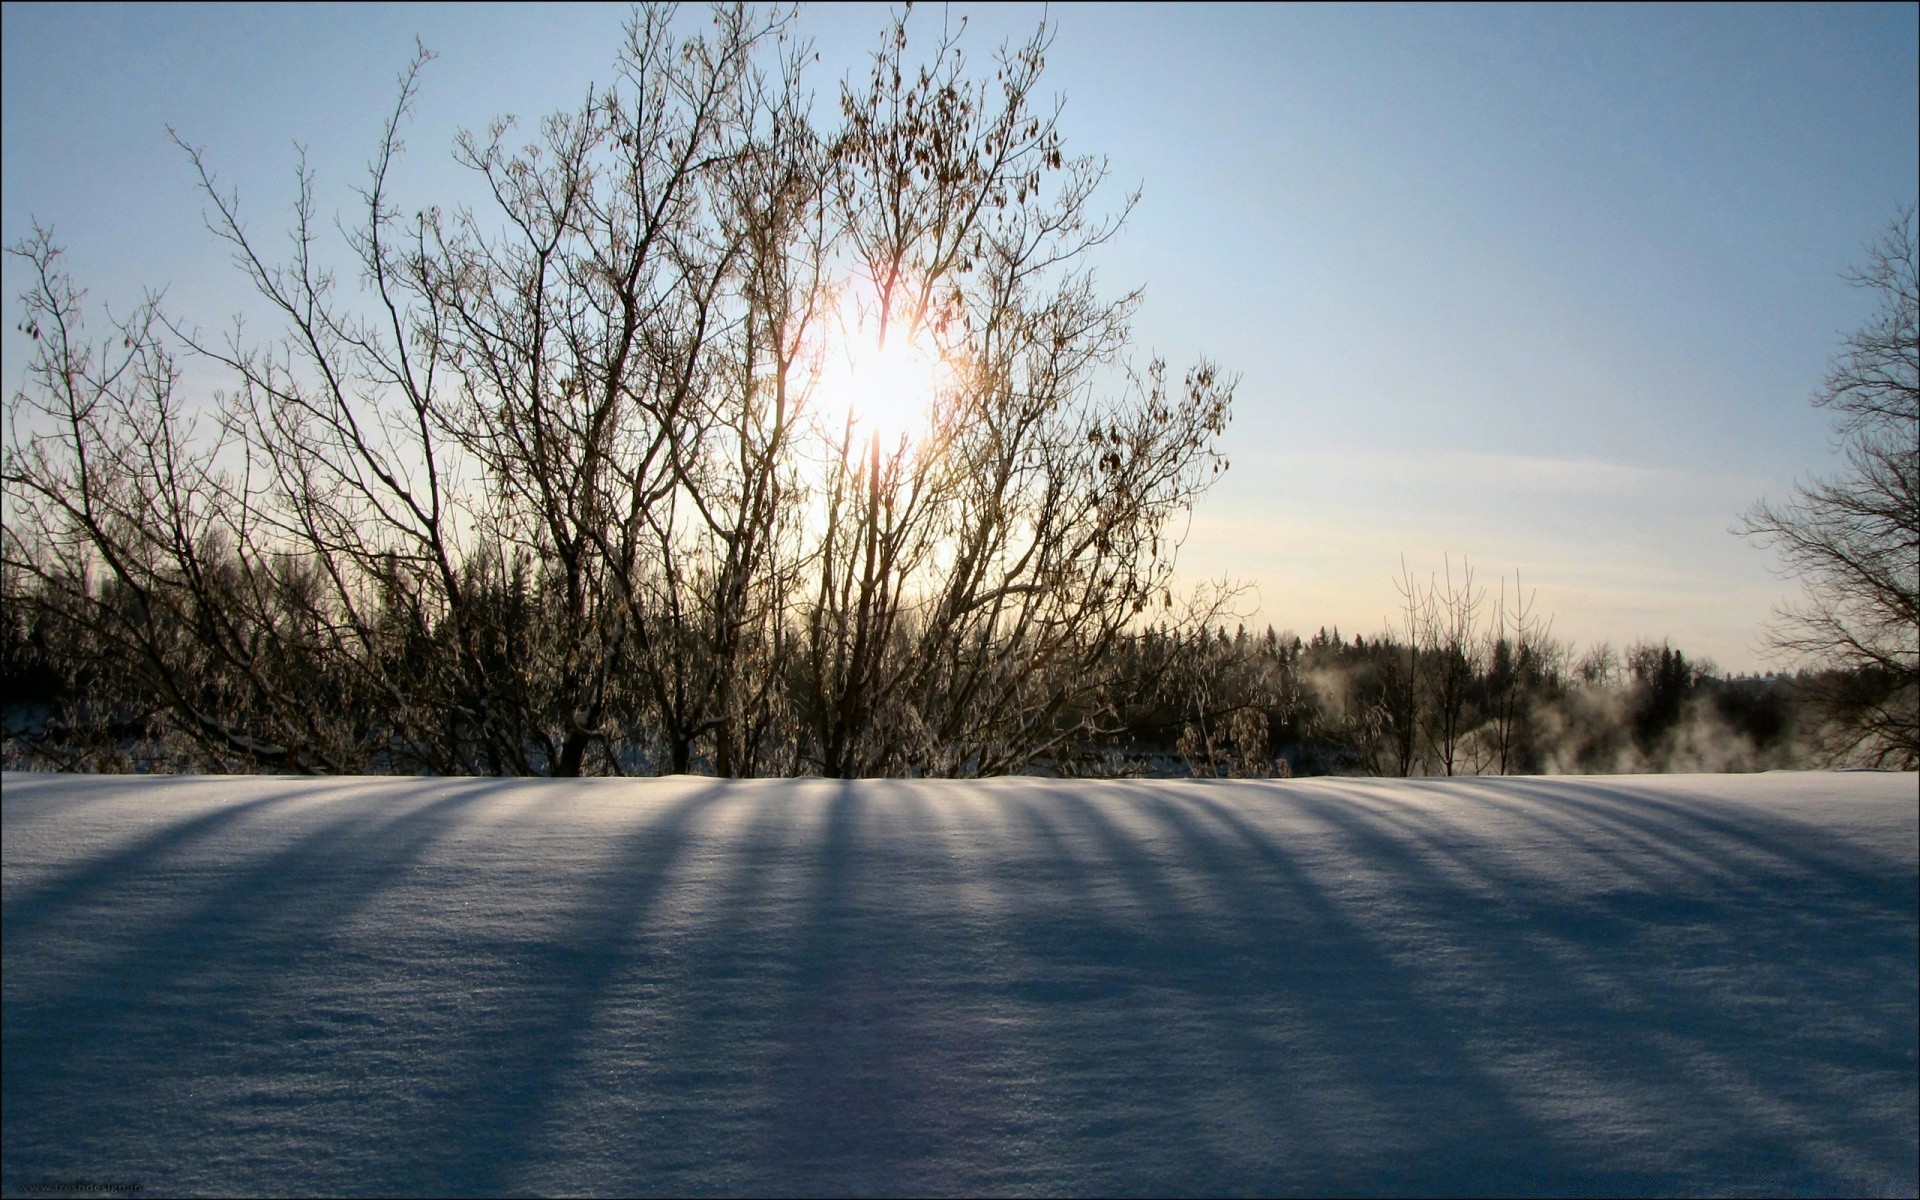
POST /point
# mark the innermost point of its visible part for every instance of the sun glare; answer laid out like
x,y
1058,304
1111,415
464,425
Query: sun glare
x,y
878,388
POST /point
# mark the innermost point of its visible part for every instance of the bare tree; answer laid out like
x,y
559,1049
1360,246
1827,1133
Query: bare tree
x,y
119,517
974,585
1517,643
1854,539
492,471
1398,716
1451,650
559,490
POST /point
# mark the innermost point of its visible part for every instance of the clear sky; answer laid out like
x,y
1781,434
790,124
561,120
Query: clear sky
x,y
1545,287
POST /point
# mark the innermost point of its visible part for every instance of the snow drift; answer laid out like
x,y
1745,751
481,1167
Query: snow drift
x,y
1700,984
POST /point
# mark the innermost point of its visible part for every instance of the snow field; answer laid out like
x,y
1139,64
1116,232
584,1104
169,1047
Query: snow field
x,y
1668,984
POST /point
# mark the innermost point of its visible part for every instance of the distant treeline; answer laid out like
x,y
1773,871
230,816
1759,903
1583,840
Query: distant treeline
x,y
1241,704
1463,690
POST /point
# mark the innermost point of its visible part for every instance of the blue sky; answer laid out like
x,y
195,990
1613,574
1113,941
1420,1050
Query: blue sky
x,y
1545,287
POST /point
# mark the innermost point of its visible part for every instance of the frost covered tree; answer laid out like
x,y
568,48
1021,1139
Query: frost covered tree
x,y
1854,539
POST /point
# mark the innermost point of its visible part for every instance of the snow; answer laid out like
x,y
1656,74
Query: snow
x,y
1671,984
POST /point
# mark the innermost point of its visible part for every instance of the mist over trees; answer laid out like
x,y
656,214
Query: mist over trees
x,y
1471,682
1854,539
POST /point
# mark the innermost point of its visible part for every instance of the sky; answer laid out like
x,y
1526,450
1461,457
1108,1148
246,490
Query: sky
x,y
1545,289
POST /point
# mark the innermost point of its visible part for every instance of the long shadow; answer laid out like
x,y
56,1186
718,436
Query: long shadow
x,y
828,1086
33,796
131,1025
737,960
1499,999
1027,986
1795,960
874,1081
1772,985
1740,838
1284,956
27,906
478,1118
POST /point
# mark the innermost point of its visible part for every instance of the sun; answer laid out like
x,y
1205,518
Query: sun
x,y
871,385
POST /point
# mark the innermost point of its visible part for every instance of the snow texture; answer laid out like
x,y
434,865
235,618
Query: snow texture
x,y
1675,985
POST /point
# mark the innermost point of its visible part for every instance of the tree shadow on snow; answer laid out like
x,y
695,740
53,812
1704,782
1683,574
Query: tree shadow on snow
x,y
817,987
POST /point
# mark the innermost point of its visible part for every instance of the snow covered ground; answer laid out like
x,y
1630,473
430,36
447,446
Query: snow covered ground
x,y
1682,984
